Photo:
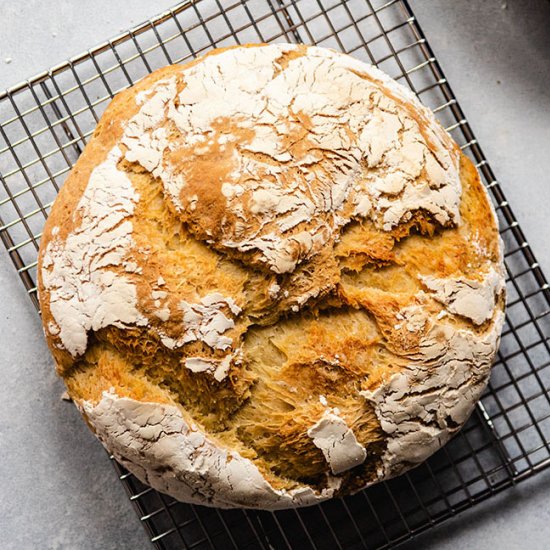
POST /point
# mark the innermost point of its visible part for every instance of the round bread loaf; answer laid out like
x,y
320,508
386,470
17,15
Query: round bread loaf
x,y
271,278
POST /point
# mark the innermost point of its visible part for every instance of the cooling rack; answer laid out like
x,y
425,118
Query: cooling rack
x,y
44,125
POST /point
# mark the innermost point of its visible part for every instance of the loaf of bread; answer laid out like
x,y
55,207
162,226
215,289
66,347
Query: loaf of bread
x,y
271,278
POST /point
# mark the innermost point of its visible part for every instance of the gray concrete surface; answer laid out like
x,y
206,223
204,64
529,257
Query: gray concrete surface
x,y
57,488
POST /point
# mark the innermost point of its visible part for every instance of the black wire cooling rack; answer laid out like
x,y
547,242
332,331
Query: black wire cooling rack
x,y
44,125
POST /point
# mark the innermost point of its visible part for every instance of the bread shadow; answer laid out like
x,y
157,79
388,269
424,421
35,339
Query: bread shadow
x,y
500,522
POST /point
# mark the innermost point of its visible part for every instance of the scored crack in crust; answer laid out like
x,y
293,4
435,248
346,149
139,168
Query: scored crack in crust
x,y
271,278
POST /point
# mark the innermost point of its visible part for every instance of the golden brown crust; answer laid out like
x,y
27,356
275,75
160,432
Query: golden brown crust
x,y
264,359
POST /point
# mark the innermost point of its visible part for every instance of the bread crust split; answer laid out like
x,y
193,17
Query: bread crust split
x,y
271,278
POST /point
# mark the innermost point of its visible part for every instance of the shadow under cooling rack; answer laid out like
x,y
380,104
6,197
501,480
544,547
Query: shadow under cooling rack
x,y
44,126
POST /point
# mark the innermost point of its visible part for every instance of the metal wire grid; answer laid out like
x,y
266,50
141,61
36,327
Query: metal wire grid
x,y
44,125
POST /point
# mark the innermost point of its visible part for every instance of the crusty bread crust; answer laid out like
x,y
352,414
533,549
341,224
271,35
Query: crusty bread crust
x,y
271,278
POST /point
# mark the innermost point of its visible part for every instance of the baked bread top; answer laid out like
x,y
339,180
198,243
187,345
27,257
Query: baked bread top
x,y
271,278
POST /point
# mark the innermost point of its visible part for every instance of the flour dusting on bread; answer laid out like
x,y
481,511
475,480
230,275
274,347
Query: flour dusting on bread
x,y
85,293
178,459
305,149
332,435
